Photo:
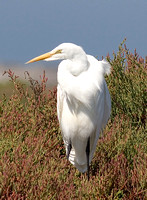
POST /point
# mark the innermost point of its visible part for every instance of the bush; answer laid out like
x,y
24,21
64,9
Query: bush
x,y
33,164
127,85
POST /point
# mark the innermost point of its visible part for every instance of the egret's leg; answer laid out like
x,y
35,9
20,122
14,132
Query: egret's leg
x,y
87,155
69,147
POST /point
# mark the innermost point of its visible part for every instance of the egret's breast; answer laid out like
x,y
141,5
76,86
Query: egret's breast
x,y
76,120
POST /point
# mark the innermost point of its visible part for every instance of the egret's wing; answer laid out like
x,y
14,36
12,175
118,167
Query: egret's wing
x,y
103,101
78,156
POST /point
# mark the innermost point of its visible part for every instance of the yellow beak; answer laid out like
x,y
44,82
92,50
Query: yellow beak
x,y
41,57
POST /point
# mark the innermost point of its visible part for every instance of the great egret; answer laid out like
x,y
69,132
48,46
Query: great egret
x,y
83,101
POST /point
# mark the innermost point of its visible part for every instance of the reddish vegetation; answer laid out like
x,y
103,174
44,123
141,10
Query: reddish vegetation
x,y
33,164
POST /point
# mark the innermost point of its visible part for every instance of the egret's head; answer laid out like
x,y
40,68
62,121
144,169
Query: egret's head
x,y
63,51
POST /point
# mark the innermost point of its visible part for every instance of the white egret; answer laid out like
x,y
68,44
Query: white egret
x,y
83,101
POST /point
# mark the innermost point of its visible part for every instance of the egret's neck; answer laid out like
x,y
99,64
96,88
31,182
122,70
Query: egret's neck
x,y
78,65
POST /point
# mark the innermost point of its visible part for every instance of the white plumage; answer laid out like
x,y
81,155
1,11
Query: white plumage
x,y
83,100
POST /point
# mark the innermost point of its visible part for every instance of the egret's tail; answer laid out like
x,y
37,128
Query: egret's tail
x,y
77,158
81,168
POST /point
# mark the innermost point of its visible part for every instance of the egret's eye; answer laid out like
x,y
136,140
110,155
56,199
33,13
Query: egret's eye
x,y
58,51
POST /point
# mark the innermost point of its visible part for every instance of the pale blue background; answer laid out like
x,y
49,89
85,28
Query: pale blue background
x,y
29,28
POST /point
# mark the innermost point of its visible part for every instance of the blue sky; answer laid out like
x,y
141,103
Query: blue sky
x,y
29,28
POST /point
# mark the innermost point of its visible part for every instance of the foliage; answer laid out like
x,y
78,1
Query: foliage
x,y
127,84
33,164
